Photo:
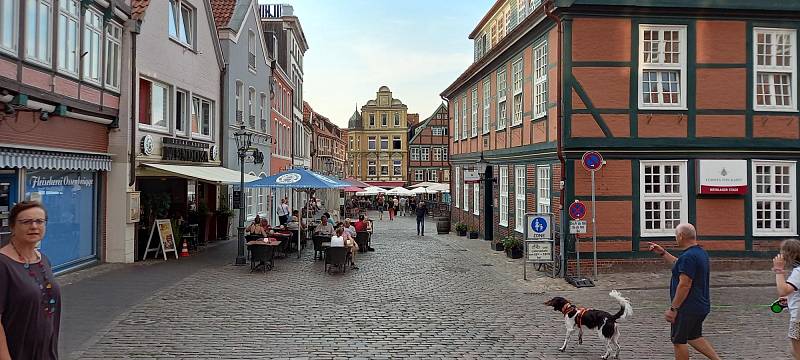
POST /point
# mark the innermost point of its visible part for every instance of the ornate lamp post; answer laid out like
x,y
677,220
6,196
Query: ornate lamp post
x,y
244,140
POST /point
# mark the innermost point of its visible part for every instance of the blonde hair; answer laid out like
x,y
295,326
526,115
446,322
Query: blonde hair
x,y
790,248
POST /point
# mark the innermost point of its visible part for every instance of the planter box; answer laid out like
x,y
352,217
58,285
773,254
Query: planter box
x,y
498,246
462,233
474,235
514,253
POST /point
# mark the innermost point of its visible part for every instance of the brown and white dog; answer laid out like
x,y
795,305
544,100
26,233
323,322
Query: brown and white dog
x,y
602,322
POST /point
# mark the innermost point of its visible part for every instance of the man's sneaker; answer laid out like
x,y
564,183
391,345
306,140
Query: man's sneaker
x,y
370,249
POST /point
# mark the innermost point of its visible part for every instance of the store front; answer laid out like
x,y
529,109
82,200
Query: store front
x,y
68,185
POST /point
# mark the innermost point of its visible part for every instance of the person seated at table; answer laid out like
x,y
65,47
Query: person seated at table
x,y
324,228
294,224
330,220
256,223
361,224
343,239
349,228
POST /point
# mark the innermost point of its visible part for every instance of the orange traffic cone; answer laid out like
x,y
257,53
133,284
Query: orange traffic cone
x,y
185,250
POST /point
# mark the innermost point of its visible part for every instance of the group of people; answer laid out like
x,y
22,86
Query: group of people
x,y
343,234
394,206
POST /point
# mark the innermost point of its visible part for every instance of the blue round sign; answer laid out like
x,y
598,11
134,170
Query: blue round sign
x,y
539,225
577,210
592,160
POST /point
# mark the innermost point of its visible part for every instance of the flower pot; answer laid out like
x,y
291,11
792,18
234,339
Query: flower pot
x,y
514,253
442,225
462,232
498,246
474,234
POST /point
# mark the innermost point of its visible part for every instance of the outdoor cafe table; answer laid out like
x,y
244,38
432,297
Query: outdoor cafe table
x,y
274,243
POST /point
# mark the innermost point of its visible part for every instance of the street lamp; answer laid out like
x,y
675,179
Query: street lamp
x,y
244,140
328,166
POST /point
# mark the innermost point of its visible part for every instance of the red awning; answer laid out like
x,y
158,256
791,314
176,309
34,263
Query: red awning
x,y
389,184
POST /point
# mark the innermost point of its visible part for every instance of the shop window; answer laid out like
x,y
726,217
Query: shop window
x,y
662,67
663,197
775,69
153,104
774,194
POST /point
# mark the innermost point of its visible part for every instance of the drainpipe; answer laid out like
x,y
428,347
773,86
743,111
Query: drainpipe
x,y
134,96
549,7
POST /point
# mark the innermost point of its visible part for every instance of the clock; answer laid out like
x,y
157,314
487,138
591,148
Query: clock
x,y
147,145
214,152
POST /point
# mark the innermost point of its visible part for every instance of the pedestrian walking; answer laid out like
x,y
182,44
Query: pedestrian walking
x,y
380,205
394,204
688,292
30,298
422,210
787,288
403,206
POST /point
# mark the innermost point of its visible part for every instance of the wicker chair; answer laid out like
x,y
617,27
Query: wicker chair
x,y
318,249
336,256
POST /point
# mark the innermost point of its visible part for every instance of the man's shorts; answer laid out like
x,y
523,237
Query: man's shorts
x,y
794,330
687,327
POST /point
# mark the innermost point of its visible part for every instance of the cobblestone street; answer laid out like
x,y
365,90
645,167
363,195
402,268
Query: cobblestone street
x,y
414,297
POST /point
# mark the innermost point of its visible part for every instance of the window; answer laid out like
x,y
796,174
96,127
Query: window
x,y
181,22
425,151
466,196
384,143
396,120
8,25
774,206
251,106
775,69
516,75
251,47
384,121
38,16
487,97
201,117
415,153
519,197
433,175
371,168
444,154
521,11
540,80
419,175
181,111
446,176
396,143
475,111
504,196
68,20
476,198
511,16
93,32
239,102
371,143
113,55
664,196
464,133
457,177
662,69
438,131
501,100
250,204
263,117
543,198
455,119
384,168
397,168
371,119
153,104
437,154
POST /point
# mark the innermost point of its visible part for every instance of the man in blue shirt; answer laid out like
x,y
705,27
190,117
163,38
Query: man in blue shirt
x,y
689,292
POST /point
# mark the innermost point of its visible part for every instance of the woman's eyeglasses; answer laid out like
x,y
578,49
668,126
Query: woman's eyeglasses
x,y
29,222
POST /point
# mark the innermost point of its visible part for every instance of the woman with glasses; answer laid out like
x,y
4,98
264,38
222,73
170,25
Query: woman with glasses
x,y
30,299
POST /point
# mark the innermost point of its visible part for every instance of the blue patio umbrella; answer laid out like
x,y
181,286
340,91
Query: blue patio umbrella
x,y
301,179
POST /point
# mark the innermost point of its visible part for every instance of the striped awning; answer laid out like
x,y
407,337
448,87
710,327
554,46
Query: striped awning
x,y
42,159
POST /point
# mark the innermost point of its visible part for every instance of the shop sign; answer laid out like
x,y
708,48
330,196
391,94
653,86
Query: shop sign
x,y
66,180
471,176
184,150
722,177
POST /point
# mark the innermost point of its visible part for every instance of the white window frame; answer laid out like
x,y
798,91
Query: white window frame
x,y
466,195
69,30
177,7
10,14
396,119
372,119
186,114
425,153
263,112
502,111
113,55
475,111
372,165
384,120
251,50
372,143
33,49
419,175
239,96
199,134
455,119
516,75
476,199
457,182
464,133
661,197
773,69
384,143
250,205
519,197
444,154
540,80
414,153
487,98
774,197
661,68
167,105
503,195
544,188
437,154
397,168
92,36
251,104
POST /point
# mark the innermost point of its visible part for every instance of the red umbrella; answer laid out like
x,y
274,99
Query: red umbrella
x,y
356,183
352,189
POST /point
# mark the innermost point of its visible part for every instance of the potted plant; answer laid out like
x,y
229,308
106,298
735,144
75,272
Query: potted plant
x,y
474,232
461,229
497,245
513,247
224,215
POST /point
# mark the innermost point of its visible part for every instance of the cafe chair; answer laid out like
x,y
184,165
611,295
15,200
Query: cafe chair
x,y
362,239
318,249
261,255
336,256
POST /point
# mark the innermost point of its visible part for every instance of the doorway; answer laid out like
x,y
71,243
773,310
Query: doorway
x,y
488,204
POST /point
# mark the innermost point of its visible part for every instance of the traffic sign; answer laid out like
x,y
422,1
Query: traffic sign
x,y
577,226
539,227
577,210
592,160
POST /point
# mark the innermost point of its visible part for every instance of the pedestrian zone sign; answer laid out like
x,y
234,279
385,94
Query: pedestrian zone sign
x,y
539,226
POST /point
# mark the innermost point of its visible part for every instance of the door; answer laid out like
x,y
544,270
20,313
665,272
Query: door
x,y
8,197
488,204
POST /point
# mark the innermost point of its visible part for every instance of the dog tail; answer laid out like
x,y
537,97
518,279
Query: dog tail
x,y
626,310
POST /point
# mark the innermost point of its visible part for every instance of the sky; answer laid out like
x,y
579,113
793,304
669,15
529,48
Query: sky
x,y
415,47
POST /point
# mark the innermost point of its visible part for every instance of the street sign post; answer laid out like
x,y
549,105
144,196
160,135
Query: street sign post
x,y
593,161
577,210
577,227
538,240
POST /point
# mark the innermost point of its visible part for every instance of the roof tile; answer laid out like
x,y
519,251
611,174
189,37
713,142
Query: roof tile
x,y
223,10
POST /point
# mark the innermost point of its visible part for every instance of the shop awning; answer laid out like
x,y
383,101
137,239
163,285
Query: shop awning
x,y
56,160
212,174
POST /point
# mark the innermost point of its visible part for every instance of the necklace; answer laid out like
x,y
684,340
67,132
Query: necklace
x,y
48,303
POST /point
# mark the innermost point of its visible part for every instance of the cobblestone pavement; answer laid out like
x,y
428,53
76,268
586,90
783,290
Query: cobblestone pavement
x,y
415,297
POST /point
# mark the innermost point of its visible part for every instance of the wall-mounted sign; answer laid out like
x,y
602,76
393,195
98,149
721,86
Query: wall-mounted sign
x,y
214,152
184,150
471,176
722,177
134,207
146,145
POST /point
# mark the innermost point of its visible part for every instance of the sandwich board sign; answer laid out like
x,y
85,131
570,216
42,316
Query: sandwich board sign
x,y
166,239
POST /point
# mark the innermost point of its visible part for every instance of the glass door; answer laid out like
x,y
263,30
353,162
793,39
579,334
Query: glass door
x,y
8,197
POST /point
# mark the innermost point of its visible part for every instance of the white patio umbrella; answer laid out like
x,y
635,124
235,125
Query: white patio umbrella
x,y
372,190
419,190
422,184
439,188
399,191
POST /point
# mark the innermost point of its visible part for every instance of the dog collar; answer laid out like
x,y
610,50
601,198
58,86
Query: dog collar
x,y
566,308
